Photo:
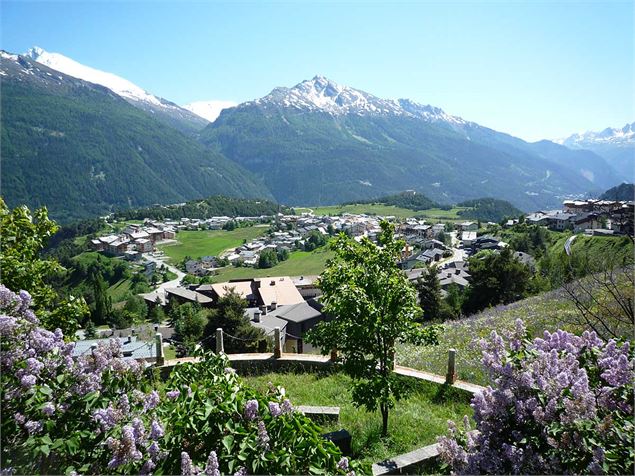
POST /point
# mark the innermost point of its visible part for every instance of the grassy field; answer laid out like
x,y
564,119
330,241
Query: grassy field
x,y
414,422
118,292
209,242
300,263
386,210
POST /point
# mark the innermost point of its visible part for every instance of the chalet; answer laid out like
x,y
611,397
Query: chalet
x,y
118,247
144,245
467,226
431,255
468,238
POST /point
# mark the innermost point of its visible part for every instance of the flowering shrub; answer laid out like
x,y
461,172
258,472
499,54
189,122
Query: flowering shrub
x,y
561,404
98,413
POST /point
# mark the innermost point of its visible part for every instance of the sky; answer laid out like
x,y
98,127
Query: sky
x,y
541,69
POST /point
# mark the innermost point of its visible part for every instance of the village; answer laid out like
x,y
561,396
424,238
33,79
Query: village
x,y
291,303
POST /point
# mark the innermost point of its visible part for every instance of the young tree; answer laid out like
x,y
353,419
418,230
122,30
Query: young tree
x,y
189,323
156,313
374,307
429,291
137,306
24,235
90,331
268,258
496,278
229,315
102,310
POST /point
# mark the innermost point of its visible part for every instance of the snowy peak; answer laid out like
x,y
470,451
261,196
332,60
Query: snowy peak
x,y
209,110
321,94
117,84
609,136
161,109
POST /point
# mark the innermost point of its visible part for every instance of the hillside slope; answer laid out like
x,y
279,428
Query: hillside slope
x,y
80,149
321,143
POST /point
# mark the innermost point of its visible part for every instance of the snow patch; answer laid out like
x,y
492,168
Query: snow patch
x,y
209,110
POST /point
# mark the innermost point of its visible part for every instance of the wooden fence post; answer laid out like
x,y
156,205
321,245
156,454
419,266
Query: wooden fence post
x,y
450,377
159,349
277,341
220,347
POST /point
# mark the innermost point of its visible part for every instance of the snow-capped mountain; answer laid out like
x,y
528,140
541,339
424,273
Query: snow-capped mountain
x,y
617,146
209,110
610,135
163,109
321,94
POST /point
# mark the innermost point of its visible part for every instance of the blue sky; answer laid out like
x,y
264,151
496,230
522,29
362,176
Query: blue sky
x,y
536,70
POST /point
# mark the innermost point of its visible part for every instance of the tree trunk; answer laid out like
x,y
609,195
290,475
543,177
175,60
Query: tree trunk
x,y
384,419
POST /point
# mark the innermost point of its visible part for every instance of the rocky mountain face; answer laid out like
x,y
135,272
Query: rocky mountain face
x,y
82,150
322,143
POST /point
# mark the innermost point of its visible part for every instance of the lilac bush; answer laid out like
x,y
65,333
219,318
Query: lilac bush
x,y
559,404
97,413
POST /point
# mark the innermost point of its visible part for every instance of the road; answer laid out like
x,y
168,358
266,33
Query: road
x,y
458,254
168,284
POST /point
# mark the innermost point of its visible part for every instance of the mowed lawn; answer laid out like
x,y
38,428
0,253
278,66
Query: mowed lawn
x,y
197,244
300,263
386,210
415,421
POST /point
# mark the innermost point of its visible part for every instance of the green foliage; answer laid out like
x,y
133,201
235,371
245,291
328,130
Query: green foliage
x,y
137,306
410,200
268,258
429,291
488,209
215,206
90,331
314,240
496,278
189,322
24,235
241,336
156,313
101,309
373,307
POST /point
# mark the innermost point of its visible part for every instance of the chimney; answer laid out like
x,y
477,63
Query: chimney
x,y
129,340
458,271
257,316
274,305
263,309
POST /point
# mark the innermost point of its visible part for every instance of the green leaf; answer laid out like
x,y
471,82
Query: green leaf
x,y
228,443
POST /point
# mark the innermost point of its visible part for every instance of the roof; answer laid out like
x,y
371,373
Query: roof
x,y
453,279
242,288
134,349
305,280
280,290
468,235
297,312
152,297
189,295
268,322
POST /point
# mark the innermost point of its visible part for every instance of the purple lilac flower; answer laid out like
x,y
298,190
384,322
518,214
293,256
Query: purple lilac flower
x,y
107,418
7,325
211,468
263,436
19,418
173,394
28,381
154,450
286,406
151,401
343,464
124,450
156,431
242,471
48,408
33,426
187,468
147,467
274,409
251,409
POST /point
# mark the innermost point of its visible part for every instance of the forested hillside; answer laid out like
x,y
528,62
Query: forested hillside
x,y
81,150
217,205
488,209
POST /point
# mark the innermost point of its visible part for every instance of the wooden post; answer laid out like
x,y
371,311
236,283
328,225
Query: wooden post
x,y
277,342
450,377
159,346
219,341
333,354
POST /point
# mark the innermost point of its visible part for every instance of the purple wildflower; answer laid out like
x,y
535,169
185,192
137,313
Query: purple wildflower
x,y
242,471
263,436
48,409
156,431
187,468
286,406
173,394
274,409
211,468
251,409
343,464
151,401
